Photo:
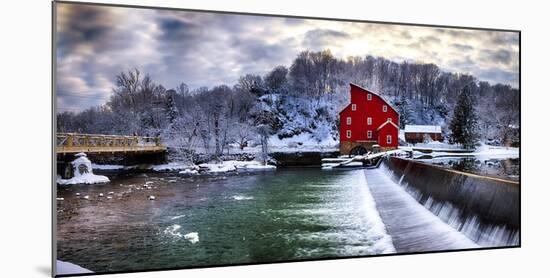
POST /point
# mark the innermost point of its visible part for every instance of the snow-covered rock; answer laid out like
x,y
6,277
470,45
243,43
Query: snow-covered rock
x,y
188,172
172,166
83,173
233,165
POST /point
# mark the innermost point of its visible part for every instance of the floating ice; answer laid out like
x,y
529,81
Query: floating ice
x,y
192,237
241,197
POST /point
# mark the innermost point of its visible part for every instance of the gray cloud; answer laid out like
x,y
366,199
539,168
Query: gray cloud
x,y
207,49
321,38
430,39
500,56
462,47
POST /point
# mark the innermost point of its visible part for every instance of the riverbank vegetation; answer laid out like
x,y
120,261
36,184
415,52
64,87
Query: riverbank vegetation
x,y
294,106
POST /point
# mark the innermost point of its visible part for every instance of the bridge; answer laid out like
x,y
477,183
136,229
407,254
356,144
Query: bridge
x,y
72,143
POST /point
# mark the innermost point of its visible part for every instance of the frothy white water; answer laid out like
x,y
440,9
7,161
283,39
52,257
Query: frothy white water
x,y
383,243
173,231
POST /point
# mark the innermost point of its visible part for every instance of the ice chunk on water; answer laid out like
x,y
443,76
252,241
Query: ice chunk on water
x,y
241,197
192,237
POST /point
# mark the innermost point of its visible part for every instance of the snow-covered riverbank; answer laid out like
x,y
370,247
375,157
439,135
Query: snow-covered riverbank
x,y
446,150
191,169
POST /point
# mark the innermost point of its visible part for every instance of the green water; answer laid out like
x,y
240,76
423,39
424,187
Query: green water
x,y
285,215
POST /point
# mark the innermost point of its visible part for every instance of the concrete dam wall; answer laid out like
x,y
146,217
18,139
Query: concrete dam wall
x,y
485,209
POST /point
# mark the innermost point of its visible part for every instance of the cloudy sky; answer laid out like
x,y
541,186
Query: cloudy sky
x,y
95,43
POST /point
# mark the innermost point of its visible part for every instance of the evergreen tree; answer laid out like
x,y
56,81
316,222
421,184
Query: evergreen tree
x,y
464,125
171,109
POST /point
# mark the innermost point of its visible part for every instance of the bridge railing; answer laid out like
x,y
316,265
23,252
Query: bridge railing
x,y
76,142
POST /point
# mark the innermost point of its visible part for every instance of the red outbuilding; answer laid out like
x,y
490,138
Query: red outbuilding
x,y
367,121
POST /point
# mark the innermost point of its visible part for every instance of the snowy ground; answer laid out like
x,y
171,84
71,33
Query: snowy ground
x,y
482,152
496,152
232,165
437,145
172,166
205,168
302,142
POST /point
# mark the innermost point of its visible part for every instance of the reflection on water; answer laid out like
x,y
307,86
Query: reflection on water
x,y
249,218
501,168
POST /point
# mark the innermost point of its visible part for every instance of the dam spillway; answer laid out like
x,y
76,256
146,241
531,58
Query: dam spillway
x,y
428,208
412,227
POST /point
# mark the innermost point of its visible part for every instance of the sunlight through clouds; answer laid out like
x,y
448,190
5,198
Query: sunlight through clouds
x,y
94,43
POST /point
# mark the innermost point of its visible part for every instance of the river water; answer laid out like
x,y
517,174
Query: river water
x,y
289,214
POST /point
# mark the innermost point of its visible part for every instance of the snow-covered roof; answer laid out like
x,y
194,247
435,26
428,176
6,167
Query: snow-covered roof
x,y
423,128
387,122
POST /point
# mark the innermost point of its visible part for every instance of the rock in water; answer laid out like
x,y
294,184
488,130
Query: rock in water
x,y
82,171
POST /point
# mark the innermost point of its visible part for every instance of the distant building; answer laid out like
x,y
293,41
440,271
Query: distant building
x,y
367,121
418,133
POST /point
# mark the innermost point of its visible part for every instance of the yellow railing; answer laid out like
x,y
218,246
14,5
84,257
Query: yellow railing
x,y
99,143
